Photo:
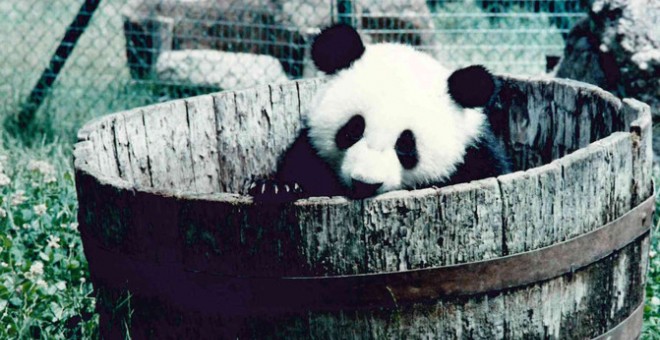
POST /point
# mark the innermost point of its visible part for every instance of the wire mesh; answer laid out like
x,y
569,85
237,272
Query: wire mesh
x,y
136,52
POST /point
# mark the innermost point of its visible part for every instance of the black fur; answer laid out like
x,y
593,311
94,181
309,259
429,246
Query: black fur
x,y
336,48
472,86
486,158
406,150
301,164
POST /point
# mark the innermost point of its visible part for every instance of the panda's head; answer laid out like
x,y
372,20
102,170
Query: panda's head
x,y
391,117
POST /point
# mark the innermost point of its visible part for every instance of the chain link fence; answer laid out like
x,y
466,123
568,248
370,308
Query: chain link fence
x,y
136,52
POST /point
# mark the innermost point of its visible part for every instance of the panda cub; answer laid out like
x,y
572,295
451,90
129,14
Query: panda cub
x,y
389,118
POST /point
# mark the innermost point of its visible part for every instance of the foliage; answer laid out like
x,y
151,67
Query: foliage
x,y
45,290
652,308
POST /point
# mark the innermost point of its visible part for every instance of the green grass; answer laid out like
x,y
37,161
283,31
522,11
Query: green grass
x,y
45,290
652,309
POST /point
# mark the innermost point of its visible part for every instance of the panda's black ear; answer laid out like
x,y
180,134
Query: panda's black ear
x,y
336,47
472,86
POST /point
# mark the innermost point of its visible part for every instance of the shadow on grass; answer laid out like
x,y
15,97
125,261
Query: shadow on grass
x,y
38,129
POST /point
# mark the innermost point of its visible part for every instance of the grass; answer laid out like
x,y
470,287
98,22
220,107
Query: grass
x,y
45,290
651,328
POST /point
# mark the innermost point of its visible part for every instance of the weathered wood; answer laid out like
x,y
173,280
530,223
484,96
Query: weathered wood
x,y
549,119
470,224
137,148
161,206
244,129
642,131
82,155
168,138
306,92
203,144
560,308
122,152
532,208
104,150
333,236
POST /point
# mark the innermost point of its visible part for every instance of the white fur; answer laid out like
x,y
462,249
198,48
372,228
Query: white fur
x,y
394,87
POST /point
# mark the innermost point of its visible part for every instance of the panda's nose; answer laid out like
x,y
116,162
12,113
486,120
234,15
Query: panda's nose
x,y
363,189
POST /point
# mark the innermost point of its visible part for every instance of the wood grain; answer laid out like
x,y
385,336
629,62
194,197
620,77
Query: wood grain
x,y
160,191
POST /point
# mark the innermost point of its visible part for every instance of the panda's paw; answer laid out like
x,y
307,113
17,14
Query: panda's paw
x,y
272,191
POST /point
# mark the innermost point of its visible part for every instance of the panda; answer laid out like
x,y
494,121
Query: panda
x,y
389,118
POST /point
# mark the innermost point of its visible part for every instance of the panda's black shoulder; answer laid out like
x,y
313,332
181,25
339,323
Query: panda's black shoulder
x,y
484,158
301,163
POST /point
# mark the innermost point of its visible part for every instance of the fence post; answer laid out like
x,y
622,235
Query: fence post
x,y
345,12
48,77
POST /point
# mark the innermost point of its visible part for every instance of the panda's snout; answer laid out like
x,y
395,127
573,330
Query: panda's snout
x,y
363,189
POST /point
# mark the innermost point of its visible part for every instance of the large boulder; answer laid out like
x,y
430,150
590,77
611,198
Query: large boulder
x,y
218,69
279,28
249,26
617,47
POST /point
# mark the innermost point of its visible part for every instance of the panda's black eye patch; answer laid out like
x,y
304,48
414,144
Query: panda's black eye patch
x,y
350,133
406,150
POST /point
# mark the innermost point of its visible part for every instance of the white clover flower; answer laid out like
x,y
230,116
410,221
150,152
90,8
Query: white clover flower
x,y
4,264
82,280
61,285
4,180
36,269
53,241
40,209
73,225
41,283
655,301
42,167
652,253
3,213
18,198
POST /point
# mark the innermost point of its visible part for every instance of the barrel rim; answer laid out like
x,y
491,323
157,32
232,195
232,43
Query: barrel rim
x,y
82,149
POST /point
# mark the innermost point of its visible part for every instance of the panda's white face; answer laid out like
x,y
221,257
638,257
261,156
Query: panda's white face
x,y
388,119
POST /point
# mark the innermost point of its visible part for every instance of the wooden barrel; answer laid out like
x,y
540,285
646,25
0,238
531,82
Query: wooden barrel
x,y
556,250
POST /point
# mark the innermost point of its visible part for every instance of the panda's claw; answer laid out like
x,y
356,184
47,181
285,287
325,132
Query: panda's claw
x,y
269,190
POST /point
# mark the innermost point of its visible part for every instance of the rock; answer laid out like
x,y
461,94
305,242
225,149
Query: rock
x,y
249,26
617,47
279,28
227,70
